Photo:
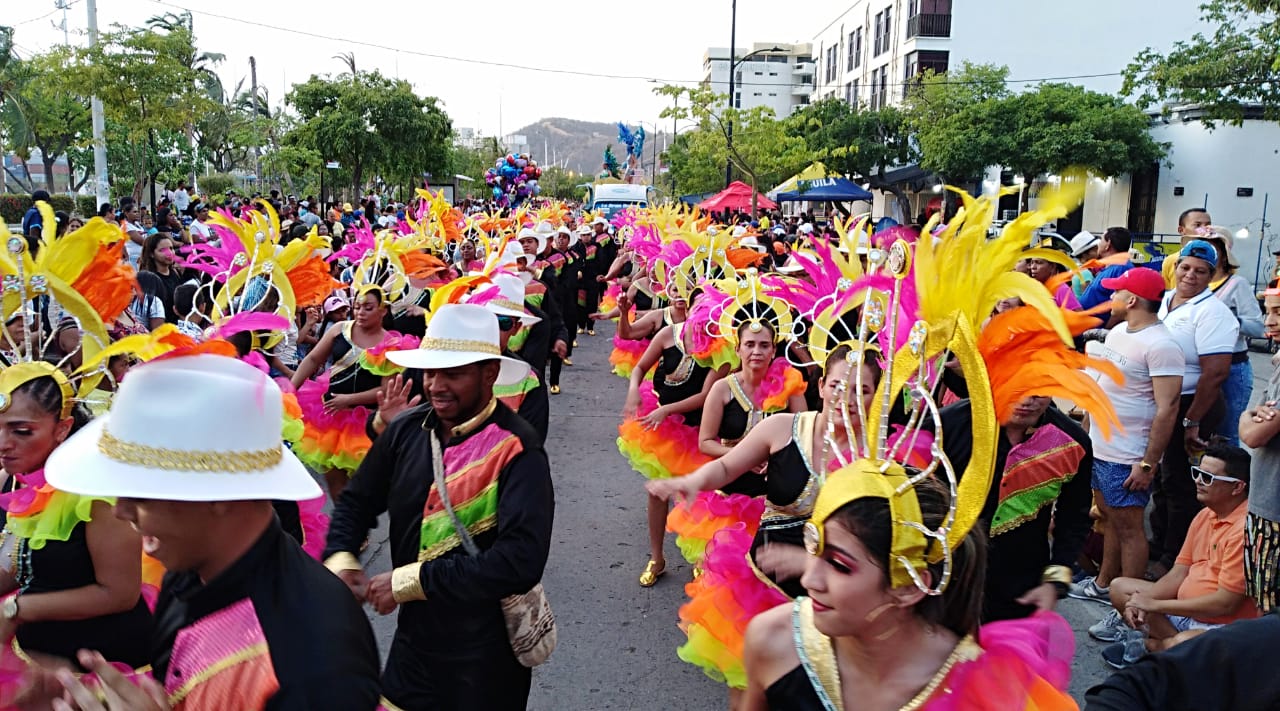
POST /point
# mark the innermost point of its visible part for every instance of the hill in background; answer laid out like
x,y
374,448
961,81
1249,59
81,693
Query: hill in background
x,y
579,145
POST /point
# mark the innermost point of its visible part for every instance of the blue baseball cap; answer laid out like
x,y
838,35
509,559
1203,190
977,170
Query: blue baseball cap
x,y
1200,249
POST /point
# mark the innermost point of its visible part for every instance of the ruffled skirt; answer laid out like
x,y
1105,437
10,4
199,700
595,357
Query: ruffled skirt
x,y
671,449
722,601
330,440
626,353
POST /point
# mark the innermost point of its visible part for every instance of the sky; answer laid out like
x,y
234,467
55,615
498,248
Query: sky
x,y
657,39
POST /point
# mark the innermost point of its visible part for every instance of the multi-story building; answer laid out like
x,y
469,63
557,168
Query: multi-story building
x,y
871,51
776,75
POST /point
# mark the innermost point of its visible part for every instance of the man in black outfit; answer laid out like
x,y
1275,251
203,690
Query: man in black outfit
x,y
1044,463
243,613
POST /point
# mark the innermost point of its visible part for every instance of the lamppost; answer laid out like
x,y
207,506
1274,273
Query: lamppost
x,y
733,67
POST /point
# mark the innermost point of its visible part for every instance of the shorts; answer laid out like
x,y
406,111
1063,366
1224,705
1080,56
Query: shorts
x,y
1261,560
1183,624
1108,478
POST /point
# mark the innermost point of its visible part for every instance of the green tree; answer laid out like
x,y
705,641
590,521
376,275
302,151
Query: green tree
x,y
762,148
149,92
696,160
853,142
1059,126
559,183
376,127
41,113
1236,65
939,112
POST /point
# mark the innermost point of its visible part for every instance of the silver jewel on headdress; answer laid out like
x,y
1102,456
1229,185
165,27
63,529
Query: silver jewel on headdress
x,y
12,283
240,259
39,284
260,236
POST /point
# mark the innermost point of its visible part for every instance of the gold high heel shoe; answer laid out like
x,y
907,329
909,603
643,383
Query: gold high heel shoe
x,y
555,389
651,574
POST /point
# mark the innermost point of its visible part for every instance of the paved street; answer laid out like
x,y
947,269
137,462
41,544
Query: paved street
x,y
617,640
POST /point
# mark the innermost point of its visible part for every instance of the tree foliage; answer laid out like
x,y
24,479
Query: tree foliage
x,y
1223,72
858,143
376,127
151,96
940,112
761,148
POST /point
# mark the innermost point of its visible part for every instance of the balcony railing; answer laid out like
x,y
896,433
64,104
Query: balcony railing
x,y
929,26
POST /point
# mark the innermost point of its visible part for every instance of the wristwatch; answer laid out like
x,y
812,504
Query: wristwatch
x,y
1188,423
1145,466
10,608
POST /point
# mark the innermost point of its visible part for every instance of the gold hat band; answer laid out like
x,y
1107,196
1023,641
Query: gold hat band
x,y
187,460
506,304
459,345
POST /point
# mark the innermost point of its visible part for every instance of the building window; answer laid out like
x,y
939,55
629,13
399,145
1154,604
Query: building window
x,y
772,94
737,100
857,49
888,28
877,48
929,18
879,87
853,93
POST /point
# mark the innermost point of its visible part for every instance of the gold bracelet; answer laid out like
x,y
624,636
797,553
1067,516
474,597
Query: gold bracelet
x,y
342,561
1056,574
406,583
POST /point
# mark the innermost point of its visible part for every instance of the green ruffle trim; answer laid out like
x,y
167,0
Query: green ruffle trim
x,y
59,518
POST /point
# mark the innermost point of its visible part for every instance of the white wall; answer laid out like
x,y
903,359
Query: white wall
x,y
1215,163
763,83
1106,204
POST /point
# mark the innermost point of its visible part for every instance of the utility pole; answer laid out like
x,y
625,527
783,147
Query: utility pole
x,y
253,87
99,121
733,52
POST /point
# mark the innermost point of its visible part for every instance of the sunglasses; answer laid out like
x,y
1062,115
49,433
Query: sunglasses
x,y
1206,478
506,323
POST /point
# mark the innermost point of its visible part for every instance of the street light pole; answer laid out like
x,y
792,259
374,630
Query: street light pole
x,y
98,119
733,55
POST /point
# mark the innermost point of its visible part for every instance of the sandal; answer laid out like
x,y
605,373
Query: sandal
x,y
651,574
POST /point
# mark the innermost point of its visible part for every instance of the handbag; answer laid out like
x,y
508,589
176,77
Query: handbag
x,y
531,625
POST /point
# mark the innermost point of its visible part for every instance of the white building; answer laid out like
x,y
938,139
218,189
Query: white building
x,y
781,79
1229,171
869,52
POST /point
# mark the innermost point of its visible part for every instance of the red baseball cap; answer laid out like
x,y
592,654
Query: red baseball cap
x,y
1139,281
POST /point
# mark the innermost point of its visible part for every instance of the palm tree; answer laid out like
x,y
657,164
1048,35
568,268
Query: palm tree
x,y
349,59
201,63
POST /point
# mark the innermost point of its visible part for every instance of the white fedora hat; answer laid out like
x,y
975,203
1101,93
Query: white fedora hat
x,y
193,428
509,300
538,235
573,236
458,335
600,221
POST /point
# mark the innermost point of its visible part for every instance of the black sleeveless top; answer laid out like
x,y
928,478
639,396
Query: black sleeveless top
x,y
352,379
66,565
643,301
678,377
791,489
793,692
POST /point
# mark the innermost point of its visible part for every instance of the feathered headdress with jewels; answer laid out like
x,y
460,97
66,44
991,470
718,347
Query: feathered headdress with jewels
x,y
749,305
82,274
960,279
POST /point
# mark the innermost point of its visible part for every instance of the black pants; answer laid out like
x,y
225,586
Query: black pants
x,y
592,290
415,680
1173,492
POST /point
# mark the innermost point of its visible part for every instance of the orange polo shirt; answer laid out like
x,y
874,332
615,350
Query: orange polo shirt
x,y
1214,552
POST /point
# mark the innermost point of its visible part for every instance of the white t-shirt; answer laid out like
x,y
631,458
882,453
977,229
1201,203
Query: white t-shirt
x,y
1203,326
133,250
200,231
181,199
1140,356
144,309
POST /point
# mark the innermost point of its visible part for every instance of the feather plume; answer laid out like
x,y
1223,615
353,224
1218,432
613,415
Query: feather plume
x,y
251,321
311,282
1025,356
107,283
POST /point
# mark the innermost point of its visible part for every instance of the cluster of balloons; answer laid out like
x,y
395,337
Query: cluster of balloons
x,y
513,179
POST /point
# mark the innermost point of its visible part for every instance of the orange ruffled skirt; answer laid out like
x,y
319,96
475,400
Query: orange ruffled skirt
x,y
711,512
722,601
669,450
330,440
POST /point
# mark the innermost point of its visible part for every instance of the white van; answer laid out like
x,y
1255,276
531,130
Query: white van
x,y
615,197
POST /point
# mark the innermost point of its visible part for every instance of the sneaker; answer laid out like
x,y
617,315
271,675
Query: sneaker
x,y
1113,654
1109,629
1088,589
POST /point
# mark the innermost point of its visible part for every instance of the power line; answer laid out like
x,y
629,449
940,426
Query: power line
x,y
571,72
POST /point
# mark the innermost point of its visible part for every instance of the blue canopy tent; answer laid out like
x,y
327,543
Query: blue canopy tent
x,y
835,189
